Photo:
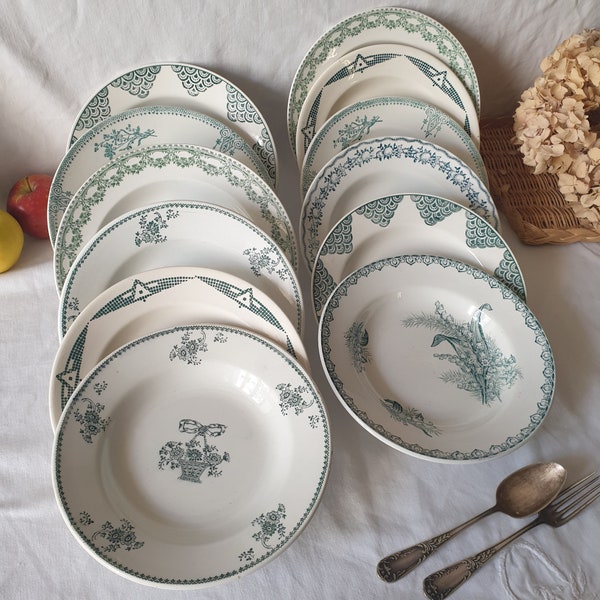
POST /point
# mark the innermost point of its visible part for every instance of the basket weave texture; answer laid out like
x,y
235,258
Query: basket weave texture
x,y
532,204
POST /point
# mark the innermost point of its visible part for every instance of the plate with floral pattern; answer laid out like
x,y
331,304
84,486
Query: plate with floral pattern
x,y
386,25
135,129
411,224
384,70
165,172
436,358
191,456
187,86
184,234
383,116
386,166
160,299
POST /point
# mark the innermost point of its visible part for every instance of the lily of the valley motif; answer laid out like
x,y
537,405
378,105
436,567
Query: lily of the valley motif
x,y
481,368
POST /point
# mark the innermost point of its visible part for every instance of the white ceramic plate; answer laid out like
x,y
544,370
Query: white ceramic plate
x,y
134,129
384,167
383,116
160,299
384,70
168,172
191,456
187,234
436,358
411,224
188,86
379,26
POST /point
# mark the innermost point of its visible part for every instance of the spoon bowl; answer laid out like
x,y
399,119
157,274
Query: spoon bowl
x,y
522,493
530,489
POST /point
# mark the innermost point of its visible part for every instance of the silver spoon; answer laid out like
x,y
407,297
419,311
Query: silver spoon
x,y
523,493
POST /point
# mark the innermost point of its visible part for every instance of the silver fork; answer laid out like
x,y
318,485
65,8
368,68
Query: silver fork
x,y
564,507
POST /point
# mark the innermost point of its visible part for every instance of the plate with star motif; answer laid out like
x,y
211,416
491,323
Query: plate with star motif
x,y
183,234
157,299
384,70
385,25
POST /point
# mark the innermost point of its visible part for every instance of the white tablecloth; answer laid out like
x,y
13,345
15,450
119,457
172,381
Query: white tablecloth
x,y
53,57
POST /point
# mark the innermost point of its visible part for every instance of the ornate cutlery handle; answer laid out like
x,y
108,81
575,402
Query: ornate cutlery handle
x,y
397,565
442,583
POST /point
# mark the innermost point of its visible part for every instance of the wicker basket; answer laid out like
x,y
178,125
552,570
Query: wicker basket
x,y
532,204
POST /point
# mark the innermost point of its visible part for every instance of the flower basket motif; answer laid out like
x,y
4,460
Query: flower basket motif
x,y
195,457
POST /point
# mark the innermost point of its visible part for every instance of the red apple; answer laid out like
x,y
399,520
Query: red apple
x,y
28,203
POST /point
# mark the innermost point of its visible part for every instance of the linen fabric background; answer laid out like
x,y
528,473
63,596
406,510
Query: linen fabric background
x,y
54,55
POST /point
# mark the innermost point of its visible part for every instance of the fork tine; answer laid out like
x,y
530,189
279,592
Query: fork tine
x,y
574,489
587,495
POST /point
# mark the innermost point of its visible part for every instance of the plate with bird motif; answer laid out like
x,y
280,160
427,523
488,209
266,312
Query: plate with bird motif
x,y
158,299
166,172
381,167
392,115
411,224
184,234
135,129
385,25
188,86
436,358
384,70
191,456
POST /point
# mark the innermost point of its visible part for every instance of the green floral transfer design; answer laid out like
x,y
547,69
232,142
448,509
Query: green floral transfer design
x,y
339,241
92,423
292,398
355,130
482,370
410,416
189,348
357,342
122,140
117,538
195,457
270,526
150,231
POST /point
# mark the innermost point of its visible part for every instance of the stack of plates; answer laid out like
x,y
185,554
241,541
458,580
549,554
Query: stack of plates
x,y
191,444
424,331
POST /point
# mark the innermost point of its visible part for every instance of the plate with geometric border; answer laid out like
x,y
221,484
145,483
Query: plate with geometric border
x,y
411,223
188,86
